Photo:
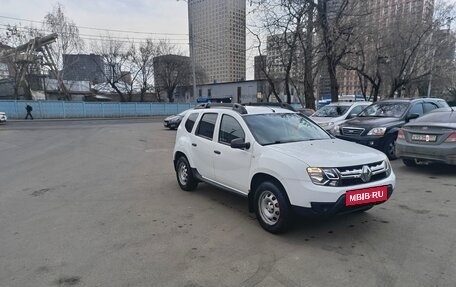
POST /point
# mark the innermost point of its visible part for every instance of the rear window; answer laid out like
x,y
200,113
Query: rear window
x,y
191,122
206,126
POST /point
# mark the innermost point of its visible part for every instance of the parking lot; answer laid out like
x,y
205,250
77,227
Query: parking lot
x,y
96,203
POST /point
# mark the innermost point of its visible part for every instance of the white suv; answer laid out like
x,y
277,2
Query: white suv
x,y
281,161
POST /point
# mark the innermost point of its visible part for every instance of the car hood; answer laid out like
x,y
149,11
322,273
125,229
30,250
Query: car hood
x,y
329,153
319,120
2,113
372,122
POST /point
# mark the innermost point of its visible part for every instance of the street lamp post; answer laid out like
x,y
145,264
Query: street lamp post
x,y
191,44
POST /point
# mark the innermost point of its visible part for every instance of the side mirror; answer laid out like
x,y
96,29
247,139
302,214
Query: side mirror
x,y
239,144
351,116
412,117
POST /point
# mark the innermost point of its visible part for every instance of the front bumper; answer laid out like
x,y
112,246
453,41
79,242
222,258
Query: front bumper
x,y
171,125
323,209
444,152
3,119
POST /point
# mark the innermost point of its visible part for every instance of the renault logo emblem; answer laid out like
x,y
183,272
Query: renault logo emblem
x,y
366,174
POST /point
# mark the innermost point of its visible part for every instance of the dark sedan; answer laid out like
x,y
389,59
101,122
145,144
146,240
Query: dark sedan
x,y
431,138
173,122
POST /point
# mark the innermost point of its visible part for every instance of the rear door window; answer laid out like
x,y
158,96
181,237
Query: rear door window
x,y
206,126
191,122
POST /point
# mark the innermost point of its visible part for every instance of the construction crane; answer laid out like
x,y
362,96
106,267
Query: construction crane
x,y
30,53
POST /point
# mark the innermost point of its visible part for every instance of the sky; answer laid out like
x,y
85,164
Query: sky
x,y
151,16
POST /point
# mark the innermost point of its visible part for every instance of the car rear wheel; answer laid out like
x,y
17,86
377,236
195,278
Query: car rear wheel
x,y
409,162
272,208
184,175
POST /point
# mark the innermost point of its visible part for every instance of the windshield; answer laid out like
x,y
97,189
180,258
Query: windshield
x,y
385,110
331,111
283,128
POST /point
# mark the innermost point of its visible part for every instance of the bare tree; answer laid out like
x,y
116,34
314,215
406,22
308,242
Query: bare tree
x,y
68,40
337,26
289,28
115,55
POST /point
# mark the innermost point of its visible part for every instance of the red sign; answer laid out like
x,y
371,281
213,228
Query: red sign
x,y
367,195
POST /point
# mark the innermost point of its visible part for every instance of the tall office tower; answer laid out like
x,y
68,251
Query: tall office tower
x,y
218,34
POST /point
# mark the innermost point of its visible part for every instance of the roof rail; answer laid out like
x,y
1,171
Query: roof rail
x,y
236,107
279,105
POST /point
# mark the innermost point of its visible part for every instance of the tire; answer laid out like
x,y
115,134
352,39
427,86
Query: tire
x,y
184,174
272,208
409,162
390,149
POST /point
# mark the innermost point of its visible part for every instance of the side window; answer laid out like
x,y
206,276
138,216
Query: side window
x,y
206,126
230,129
356,110
429,107
191,122
417,109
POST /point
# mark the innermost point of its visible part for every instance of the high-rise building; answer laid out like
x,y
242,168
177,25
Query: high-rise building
x,y
218,34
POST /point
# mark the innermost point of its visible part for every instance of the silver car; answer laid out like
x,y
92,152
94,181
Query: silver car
x,y
430,138
335,114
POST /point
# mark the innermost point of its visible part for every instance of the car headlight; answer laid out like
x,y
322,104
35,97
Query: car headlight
x,y
323,176
388,168
377,132
335,130
327,124
175,119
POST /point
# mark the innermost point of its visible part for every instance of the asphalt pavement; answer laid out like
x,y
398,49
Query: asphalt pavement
x,y
96,203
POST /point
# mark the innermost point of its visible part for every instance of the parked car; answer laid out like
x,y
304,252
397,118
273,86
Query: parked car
x,y
3,117
378,124
172,122
431,138
335,114
281,161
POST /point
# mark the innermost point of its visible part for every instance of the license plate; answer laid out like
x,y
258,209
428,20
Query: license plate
x,y
367,195
424,138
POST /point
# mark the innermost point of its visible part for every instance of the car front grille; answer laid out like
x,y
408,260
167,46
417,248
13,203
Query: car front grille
x,y
352,131
354,175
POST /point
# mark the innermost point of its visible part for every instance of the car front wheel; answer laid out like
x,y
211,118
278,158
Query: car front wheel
x,y
272,208
184,175
390,149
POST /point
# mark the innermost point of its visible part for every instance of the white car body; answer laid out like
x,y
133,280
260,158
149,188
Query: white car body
x,y
328,123
236,169
3,117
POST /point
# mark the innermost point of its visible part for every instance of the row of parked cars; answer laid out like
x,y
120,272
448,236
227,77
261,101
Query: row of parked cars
x,y
417,130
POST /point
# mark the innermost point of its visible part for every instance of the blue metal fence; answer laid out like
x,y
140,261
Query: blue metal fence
x,y
67,110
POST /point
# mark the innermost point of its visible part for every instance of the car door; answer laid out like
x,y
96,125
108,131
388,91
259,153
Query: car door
x,y
232,166
203,145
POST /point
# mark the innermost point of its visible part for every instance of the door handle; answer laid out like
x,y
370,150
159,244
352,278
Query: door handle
x,y
217,152
194,144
